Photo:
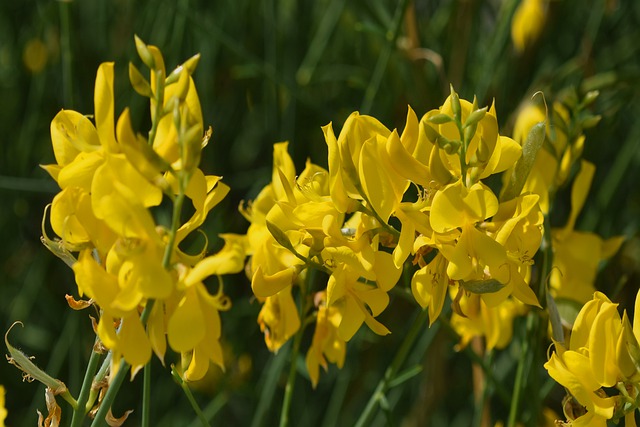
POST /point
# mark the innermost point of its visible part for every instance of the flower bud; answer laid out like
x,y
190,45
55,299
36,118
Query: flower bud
x,y
144,53
139,83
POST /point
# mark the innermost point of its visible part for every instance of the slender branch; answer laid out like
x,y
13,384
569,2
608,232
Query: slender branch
x,y
291,379
83,398
146,394
379,394
187,391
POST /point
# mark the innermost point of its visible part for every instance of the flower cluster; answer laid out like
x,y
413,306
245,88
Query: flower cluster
x,y
600,367
112,183
344,222
577,254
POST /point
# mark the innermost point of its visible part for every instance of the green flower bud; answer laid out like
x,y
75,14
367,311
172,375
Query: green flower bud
x,y
482,286
590,97
139,83
475,117
31,371
590,121
145,53
189,66
455,103
440,119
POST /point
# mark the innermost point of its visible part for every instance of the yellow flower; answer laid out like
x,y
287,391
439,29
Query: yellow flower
x,y
475,255
603,353
350,296
279,319
110,177
495,324
326,343
487,152
576,253
3,410
528,22
429,286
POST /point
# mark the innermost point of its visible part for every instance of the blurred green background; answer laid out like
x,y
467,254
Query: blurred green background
x,y
279,70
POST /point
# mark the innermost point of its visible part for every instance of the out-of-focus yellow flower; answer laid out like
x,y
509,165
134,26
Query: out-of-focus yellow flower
x,y
356,301
528,23
110,177
35,55
578,253
603,353
486,153
495,324
279,319
326,344
3,410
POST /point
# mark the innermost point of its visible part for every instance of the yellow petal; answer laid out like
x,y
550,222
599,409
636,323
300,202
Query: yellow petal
x,y
403,161
337,188
264,285
157,330
387,274
383,191
603,339
186,324
456,205
133,343
405,242
579,192
94,281
71,134
352,318
229,260
104,107
81,171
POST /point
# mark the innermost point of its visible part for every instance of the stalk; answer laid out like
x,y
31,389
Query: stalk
x,y
366,417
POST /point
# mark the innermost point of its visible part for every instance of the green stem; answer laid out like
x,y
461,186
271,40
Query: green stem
x,y
397,362
110,395
522,365
187,391
383,59
502,392
144,317
146,394
65,41
291,379
81,409
157,112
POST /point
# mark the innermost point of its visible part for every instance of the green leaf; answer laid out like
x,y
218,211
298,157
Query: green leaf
x,y
144,53
440,119
523,166
554,318
280,236
482,286
139,83
405,375
31,371
475,117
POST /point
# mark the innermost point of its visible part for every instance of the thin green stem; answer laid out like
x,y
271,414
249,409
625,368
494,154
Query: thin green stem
x,y
521,371
65,42
159,105
144,317
146,394
379,394
110,395
502,392
291,379
383,59
83,398
187,391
